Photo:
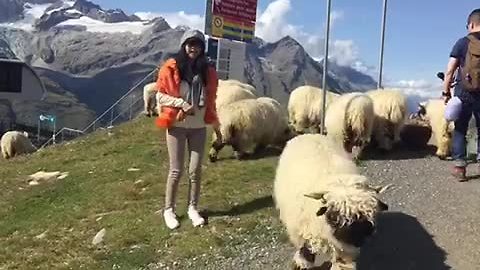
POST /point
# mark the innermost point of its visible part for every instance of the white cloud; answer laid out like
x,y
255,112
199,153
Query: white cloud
x,y
175,19
345,52
335,16
417,90
272,25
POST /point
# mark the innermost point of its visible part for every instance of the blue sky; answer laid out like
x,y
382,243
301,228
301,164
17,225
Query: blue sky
x,y
420,33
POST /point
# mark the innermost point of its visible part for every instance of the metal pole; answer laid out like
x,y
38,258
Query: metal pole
x,y
38,131
382,47
325,67
54,130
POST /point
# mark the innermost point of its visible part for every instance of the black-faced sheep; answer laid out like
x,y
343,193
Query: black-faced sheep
x,y
305,108
231,90
250,123
390,107
349,121
324,203
433,112
14,143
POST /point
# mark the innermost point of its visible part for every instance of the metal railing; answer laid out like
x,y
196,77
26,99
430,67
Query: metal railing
x,y
61,134
131,105
124,109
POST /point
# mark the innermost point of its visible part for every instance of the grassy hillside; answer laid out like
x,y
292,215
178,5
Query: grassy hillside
x,y
51,226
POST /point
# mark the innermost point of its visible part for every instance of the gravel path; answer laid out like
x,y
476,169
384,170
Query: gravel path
x,y
433,222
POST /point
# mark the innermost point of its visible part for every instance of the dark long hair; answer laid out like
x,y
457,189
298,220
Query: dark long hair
x,y
198,66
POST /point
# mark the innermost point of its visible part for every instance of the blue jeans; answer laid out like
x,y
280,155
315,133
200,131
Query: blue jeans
x,y
470,105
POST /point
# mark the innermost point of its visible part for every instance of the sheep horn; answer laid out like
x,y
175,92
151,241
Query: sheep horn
x,y
380,189
316,196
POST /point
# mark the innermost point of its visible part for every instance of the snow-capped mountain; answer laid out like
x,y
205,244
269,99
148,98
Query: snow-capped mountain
x,y
36,15
96,55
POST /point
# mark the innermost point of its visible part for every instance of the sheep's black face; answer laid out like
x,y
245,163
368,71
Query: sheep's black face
x,y
354,234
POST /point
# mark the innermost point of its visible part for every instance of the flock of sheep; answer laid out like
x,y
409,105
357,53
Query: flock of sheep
x,y
324,202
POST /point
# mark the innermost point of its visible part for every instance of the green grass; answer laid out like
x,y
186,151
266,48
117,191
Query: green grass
x,y
100,192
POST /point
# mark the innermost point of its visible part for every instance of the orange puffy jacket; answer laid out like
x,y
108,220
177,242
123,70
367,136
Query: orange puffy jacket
x,y
168,82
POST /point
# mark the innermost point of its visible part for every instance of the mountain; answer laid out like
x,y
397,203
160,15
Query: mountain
x,y
93,56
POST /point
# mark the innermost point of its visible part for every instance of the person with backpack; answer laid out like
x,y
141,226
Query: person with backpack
x,y
465,56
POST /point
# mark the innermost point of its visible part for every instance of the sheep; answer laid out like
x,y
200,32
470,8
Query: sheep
x,y
433,111
250,123
305,108
324,203
14,143
150,99
349,121
231,91
222,83
390,107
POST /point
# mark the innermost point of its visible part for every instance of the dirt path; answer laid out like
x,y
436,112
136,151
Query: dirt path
x,y
433,222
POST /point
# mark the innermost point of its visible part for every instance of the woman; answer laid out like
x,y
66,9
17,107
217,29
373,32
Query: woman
x,y
187,88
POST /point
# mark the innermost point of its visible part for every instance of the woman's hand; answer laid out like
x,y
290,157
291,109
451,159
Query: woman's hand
x,y
188,109
181,116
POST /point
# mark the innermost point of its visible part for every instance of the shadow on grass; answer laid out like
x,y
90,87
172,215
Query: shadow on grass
x,y
249,207
264,153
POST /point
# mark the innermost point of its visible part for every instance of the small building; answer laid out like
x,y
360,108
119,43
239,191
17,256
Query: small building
x,y
18,82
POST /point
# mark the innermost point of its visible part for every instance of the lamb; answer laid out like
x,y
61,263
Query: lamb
x,y
14,143
305,108
349,121
433,111
231,91
250,123
324,203
390,107
149,99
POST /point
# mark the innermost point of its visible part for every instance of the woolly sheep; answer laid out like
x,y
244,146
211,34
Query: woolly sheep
x,y
14,143
433,111
250,123
390,107
349,121
231,91
305,107
222,83
324,203
150,99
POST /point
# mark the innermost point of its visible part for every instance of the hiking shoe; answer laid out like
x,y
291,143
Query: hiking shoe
x,y
459,173
171,219
195,217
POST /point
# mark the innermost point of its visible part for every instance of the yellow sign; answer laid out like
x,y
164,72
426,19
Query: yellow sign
x,y
217,26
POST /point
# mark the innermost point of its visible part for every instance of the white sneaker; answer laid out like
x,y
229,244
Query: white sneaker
x,y
193,214
171,219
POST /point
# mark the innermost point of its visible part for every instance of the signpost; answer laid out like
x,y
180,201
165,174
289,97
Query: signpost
x,y
230,25
48,118
231,19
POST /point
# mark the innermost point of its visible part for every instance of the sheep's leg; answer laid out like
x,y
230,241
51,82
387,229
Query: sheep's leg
x,y
259,148
303,259
238,153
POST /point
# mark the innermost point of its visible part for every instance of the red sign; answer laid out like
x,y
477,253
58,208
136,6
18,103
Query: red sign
x,y
239,10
